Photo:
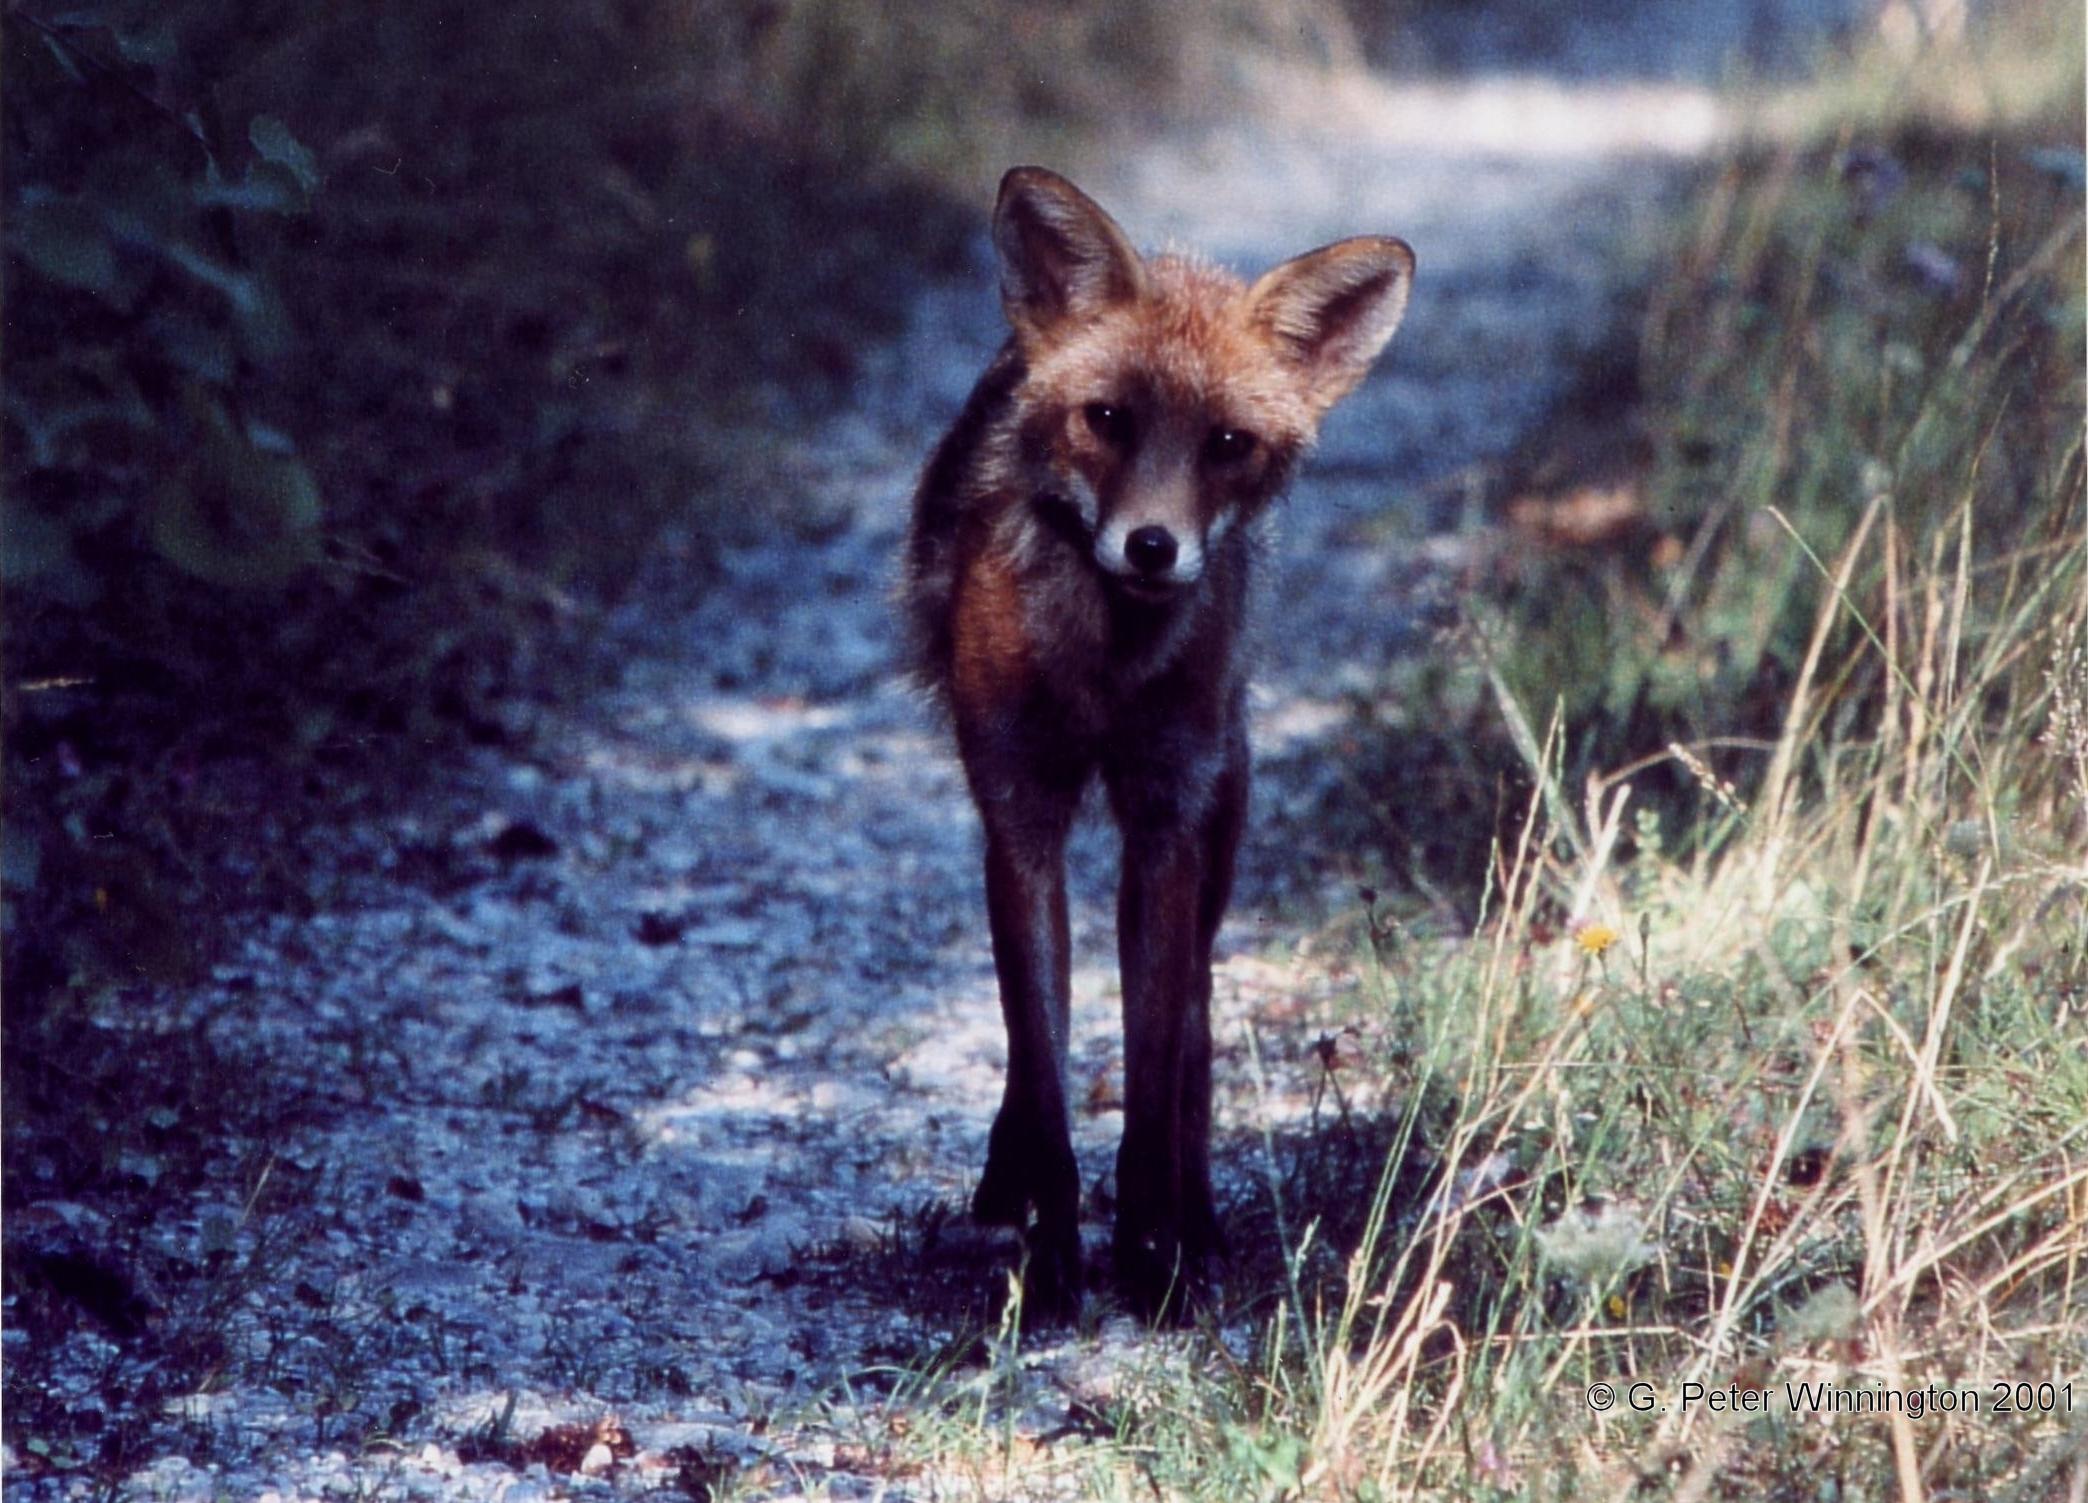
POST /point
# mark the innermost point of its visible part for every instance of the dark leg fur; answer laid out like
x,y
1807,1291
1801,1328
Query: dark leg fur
x,y
1177,879
1029,1156
1201,1231
1181,824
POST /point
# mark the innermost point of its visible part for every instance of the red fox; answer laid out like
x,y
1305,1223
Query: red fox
x,y
1078,588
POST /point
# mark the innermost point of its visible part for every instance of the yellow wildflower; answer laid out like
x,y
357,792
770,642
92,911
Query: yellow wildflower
x,y
1595,938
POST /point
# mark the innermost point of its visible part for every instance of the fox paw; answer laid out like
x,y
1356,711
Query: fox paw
x,y
1024,1170
1052,1277
1166,1281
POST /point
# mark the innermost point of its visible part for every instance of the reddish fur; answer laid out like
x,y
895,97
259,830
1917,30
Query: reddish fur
x,y
992,658
1196,336
1062,658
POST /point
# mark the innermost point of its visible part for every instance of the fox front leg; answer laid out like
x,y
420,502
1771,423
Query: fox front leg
x,y
1181,831
1202,1236
1030,1165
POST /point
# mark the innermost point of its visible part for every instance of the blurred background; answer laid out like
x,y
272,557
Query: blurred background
x,y
344,347
370,370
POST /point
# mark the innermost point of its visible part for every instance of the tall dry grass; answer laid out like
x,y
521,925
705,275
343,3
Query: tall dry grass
x,y
1766,1063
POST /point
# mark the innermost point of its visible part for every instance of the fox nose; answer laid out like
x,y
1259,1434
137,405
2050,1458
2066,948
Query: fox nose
x,y
1151,550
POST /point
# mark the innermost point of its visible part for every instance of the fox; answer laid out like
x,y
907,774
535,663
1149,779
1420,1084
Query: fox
x,y
1078,585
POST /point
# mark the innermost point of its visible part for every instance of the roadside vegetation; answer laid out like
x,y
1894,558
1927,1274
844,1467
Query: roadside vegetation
x,y
1760,1054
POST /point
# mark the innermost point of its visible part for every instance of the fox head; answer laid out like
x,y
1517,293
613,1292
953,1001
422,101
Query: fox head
x,y
1164,401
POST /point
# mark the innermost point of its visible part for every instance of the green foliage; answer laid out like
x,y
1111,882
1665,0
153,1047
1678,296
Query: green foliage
x,y
337,347
235,514
1275,1460
1897,318
339,343
141,327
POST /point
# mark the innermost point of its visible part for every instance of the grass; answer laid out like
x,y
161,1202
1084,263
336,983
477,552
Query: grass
x,y
1761,1064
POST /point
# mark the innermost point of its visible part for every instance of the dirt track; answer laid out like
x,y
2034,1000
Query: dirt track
x,y
647,1049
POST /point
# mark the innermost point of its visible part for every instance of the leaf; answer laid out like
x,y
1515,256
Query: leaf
x,y
31,544
261,319
66,241
257,310
273,140
237,516
21,859
267,188
148,44
195,345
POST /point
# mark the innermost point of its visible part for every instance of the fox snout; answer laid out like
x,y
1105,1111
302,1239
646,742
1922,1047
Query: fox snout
x,y
1152,544
1158,493
1151,550
1152,553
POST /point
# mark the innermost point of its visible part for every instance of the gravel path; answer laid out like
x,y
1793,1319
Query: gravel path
x,y
652,1054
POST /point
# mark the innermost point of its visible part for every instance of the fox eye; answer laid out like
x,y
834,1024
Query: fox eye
x,y
1229,445
1113,425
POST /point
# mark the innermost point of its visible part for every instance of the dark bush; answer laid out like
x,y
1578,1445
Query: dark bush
x,y
342,344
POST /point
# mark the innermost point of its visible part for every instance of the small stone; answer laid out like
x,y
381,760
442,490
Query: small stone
x,y
862,1234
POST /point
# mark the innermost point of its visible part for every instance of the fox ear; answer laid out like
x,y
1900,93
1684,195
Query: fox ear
x,y
1333,309
1061,257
